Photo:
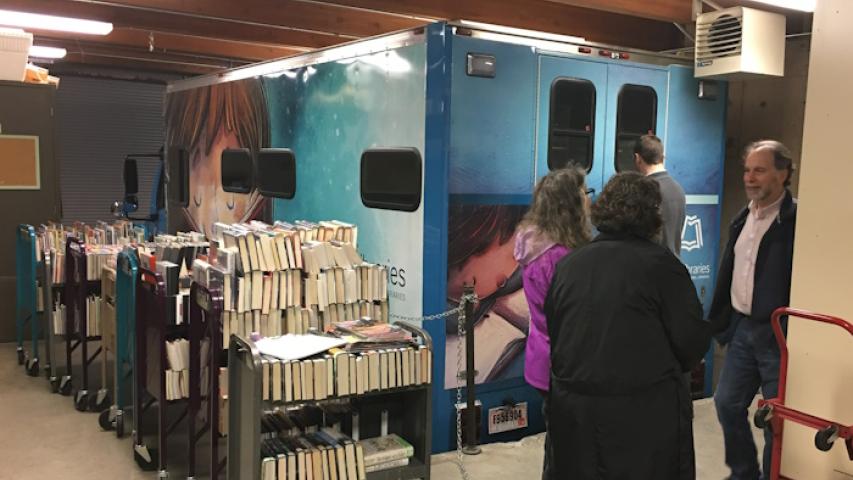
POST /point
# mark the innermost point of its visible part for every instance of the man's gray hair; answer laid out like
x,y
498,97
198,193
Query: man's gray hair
x,y
782,158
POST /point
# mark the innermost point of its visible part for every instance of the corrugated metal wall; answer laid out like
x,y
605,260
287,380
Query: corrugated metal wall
x,y
98,123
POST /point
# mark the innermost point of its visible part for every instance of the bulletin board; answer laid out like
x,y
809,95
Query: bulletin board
x,y
19,162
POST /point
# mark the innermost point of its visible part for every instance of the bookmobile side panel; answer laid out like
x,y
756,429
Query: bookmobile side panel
x,y
328,114
490,177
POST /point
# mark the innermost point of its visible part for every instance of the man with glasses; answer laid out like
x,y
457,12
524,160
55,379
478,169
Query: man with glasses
x,y
648,159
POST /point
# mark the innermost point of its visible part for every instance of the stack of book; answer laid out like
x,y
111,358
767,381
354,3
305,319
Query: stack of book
x,y
315,455
177,375
293,278
340,372
386,452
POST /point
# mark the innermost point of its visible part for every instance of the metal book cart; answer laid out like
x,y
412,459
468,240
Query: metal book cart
x,y
118,314
156,323
206,322
77,288
26,311
773,412
51,292
408,411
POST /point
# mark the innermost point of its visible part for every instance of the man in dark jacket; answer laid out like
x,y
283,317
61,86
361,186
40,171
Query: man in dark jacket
x,y
754,279
625,323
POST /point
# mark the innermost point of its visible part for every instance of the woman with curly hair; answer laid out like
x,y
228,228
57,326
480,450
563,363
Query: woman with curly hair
x,y
625,323
556,223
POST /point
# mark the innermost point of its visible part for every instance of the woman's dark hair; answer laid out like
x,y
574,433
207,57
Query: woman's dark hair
x,y
629,204
558,208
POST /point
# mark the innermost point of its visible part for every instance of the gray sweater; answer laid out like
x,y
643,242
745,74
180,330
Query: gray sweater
x,y
672,210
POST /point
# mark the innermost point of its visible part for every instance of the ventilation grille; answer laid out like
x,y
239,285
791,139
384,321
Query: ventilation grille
x,y
719,37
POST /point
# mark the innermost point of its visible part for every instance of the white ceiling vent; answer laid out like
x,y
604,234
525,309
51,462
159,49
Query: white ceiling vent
x,y
740,42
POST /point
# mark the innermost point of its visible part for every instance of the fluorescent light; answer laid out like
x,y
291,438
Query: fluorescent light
x,y
47,52
802,5
522,32
51,22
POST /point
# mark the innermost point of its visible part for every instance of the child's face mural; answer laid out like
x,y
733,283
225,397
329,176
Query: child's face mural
x,y
489,270
209,203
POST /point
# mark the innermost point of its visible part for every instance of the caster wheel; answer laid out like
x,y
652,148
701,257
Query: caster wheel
x,y
65,386
824,439
33,367
21,355
100,402
81,400
54,384
118,423
145,458
762,417
47,371
104,420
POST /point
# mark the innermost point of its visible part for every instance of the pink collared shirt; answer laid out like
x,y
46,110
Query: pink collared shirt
x,y
758,221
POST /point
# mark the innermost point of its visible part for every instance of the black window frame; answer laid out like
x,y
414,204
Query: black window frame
x,y
623,135
387,201
289,158
572,133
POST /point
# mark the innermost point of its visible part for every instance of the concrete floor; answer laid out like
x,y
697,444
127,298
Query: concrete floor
x,y
43,437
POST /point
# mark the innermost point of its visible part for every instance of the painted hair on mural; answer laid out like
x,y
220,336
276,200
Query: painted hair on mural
x,y
473,228
194,117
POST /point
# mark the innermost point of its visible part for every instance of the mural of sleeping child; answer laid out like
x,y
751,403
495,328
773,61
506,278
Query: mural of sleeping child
x,y
480,251
206,121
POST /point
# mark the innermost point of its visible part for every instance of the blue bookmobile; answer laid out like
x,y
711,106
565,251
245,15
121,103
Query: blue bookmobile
x,y
431,140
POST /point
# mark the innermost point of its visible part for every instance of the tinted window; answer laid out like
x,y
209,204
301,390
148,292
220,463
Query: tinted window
x,y
636,115
391,178
237,170
276,172
177,178
571,124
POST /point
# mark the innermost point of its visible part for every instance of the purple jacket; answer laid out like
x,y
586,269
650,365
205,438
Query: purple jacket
x,y
538,256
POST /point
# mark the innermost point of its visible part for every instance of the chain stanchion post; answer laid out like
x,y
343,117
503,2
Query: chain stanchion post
x,y
470,447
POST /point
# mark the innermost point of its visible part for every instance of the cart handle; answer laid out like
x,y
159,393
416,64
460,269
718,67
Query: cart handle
x,y
775,320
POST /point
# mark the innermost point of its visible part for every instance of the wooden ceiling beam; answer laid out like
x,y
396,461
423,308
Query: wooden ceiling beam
x,y
299,15
133,64
170,23
679,11
542,15
167,42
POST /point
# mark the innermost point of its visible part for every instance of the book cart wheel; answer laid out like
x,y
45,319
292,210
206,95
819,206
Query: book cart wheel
x,y
81,400
118,424
824,439
145,458
54,384
65,386
100,402
104,420
33,367
21,356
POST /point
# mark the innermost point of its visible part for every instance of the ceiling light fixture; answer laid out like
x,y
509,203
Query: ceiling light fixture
x,y
38,51
51,22
801,5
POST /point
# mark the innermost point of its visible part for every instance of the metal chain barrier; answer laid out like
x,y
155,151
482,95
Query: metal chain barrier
x,y
460,331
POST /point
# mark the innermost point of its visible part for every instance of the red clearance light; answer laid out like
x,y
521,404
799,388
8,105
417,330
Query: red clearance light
x,y
584,50
624,56
604,53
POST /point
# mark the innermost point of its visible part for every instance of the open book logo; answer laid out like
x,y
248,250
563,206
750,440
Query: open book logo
x,y
691,233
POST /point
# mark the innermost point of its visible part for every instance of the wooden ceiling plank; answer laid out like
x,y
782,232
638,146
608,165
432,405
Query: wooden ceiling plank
x,y
541,15
177,43
305,16
164,22
679,11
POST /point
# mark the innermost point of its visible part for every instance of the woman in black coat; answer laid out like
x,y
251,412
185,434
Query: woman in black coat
x,y
625,324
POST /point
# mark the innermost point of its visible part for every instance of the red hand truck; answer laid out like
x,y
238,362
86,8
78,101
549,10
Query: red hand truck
x,y
771,413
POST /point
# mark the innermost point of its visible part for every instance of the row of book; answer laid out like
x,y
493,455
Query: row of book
x,y
318,455
298,320
340,373
93,316
178,383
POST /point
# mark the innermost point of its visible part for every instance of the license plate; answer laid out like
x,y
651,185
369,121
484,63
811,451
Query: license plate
x,y
504,419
